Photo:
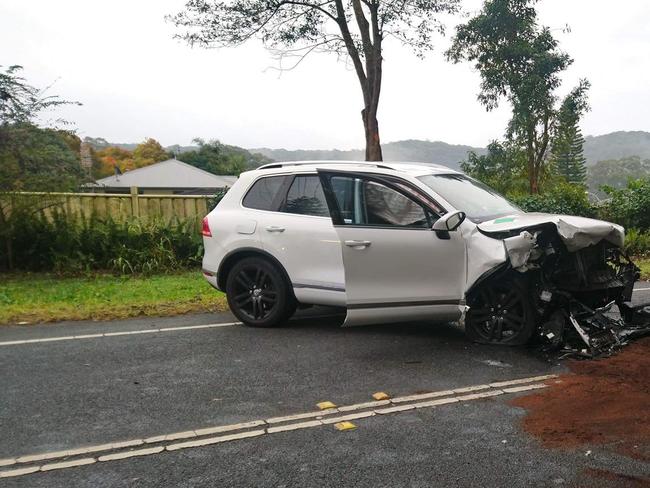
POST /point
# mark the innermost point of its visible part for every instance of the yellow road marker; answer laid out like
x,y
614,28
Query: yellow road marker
x,y
345,426
380,395
325,405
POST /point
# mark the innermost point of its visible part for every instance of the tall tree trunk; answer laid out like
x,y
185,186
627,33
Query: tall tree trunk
x,y
533,179
371,127
370,78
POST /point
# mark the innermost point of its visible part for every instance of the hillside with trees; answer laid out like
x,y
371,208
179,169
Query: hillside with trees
x,y
617,145
616,173
409,150
211,156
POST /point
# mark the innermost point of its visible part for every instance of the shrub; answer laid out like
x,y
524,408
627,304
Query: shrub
x,y
629,206
66,245
563,198
637,243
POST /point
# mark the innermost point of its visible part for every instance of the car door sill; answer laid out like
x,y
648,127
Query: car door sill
x,y
357,306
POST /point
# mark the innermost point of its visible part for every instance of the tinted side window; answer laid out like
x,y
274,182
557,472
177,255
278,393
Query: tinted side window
x,y
306,197
265,193
366,202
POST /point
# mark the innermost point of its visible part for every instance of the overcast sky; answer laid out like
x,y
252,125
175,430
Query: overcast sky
x,y
119,59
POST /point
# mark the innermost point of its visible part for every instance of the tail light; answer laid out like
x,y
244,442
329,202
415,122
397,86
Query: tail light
x,y
205,228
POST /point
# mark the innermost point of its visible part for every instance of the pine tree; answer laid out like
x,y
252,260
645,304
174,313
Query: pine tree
x,y
568,155
567,144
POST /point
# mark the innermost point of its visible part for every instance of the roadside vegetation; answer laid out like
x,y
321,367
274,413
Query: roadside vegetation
x,y
644,264
68,245
31,298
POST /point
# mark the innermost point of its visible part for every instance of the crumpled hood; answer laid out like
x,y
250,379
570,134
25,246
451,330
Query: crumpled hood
x,y
576,232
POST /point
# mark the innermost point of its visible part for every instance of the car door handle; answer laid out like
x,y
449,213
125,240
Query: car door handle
x,y
274,228
359,244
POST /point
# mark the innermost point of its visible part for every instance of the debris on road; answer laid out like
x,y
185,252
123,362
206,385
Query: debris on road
x,y
602,402
592,333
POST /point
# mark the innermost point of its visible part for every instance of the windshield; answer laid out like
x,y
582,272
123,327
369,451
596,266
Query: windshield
x,y
478,201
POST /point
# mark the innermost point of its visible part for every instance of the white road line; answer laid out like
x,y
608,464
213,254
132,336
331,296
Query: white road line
x,y
128,454
319,418
215,440
116,334
134,332
68,464
642,289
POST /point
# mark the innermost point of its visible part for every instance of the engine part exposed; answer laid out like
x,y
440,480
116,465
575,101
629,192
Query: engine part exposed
x,y
570,294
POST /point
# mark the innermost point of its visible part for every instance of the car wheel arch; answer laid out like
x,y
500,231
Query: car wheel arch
x,y
246,252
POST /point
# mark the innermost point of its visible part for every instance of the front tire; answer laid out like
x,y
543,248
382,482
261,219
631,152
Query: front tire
x,y
501,312
258,293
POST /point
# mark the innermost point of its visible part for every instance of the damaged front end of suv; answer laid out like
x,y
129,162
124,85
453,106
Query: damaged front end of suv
x,y
560,281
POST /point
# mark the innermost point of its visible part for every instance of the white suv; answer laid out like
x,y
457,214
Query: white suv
x,y
399,241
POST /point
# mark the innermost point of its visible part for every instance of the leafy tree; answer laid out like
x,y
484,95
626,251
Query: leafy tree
x,y
519,60
352,29
502,168
112,157
149,152
567,153
35,159
31,158
21,102
215,158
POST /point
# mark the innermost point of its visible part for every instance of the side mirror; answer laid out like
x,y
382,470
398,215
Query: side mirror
x,y
449,222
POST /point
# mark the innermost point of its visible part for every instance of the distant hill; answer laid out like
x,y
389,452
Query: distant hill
x,y
607,147
617,145
411,150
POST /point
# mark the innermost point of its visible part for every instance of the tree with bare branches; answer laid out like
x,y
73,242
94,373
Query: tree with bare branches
x,y
355,30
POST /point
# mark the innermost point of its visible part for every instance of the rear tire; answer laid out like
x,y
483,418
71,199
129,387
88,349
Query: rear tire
x,y
501,312
258,293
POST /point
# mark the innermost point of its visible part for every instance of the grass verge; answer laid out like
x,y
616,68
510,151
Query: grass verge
x,y
35,298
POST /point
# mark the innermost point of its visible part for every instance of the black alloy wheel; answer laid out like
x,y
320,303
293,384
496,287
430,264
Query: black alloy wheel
x,y
501,313
258,294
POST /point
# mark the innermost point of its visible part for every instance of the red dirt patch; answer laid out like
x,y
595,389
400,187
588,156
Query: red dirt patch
x,y
602,402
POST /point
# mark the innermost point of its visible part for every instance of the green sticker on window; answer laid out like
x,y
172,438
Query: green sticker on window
x,y
503,220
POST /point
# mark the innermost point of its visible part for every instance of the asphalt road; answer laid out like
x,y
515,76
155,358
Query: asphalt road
x,y
73,392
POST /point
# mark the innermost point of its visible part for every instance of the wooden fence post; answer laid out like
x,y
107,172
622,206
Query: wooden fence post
x,y
135,204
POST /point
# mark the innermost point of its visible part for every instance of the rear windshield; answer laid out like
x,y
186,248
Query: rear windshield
x,y
478,201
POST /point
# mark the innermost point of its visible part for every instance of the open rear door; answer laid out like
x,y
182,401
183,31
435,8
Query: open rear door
x,y
396,268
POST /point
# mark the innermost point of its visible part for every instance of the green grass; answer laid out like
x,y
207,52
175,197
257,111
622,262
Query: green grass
x,y
644,264
35,298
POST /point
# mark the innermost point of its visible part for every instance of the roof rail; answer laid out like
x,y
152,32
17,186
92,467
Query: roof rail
x,y
304,163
